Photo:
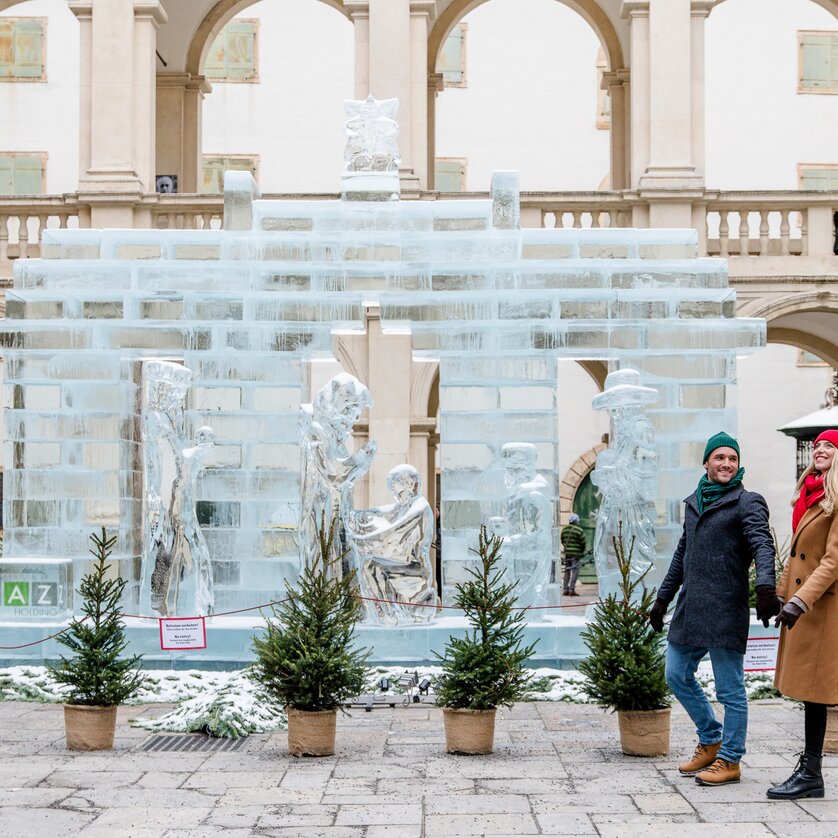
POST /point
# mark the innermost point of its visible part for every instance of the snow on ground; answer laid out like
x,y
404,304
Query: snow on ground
x,y
231,704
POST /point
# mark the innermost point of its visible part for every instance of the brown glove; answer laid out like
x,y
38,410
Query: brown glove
x,y
789,615
768,603
656,615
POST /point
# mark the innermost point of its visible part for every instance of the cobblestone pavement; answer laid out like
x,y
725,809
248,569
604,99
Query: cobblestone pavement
x,y
557,770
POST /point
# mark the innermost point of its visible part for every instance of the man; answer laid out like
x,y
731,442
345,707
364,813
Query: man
x,y
574,547
725,529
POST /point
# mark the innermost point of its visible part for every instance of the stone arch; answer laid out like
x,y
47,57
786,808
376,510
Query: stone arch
x,y
215,20
807,320
592,12
573,478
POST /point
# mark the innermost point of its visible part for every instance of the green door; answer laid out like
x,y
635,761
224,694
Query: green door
x,y
586,506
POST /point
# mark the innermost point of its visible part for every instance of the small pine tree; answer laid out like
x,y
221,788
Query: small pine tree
x,y
626,667
97,674
485,669
307,659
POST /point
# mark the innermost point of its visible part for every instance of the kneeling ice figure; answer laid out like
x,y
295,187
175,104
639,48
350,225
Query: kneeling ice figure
x,y
390,547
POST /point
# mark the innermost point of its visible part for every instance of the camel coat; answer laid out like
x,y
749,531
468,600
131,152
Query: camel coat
x,y
807,661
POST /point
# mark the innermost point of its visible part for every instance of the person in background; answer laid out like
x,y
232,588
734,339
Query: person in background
x,y
807,660
725,529
574,546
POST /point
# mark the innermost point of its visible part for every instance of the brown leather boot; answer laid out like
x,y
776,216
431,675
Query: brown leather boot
x,y
702,758
720,773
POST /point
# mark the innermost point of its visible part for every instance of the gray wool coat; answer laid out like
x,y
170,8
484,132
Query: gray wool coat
x,y
710,567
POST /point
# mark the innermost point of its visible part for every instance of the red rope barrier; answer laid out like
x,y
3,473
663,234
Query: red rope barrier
x,y
280,601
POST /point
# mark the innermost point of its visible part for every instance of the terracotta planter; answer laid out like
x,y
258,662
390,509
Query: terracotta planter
x,y
644,733
311,733
830,744
89,728
469,731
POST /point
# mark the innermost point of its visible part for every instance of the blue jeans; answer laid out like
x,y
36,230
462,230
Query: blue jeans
x,y
728,671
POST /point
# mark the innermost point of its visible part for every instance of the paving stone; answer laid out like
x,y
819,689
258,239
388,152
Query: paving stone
x,y
305,814
267,797
138,796
368,815
823,810
690,830
662,803
439,825
313,832
44,796
35,822
391,830
164,779
233,817
206,832
565,823
456,804
602,803
229,780
766,810
149,817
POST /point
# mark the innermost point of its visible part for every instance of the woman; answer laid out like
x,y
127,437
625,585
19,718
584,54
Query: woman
x,y
807,662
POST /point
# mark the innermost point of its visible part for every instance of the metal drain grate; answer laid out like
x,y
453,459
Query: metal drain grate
x,y
191,742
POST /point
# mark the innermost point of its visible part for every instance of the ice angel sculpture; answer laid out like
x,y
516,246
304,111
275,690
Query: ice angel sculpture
x,y
177,575
626,475
391,549
329,471
526,525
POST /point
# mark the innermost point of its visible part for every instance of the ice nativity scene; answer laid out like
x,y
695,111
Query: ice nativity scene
x,y
195,392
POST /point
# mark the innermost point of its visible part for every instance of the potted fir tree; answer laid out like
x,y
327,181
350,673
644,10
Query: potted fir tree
x,y
626,668
485,669
99,678
307,659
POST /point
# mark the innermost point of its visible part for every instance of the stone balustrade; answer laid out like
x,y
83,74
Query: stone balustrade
x,y
752,224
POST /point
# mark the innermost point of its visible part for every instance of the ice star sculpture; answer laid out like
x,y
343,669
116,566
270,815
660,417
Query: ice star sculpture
x,y
626,475
371,153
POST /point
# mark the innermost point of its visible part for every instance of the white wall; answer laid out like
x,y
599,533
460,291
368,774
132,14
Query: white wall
x,y
531,100
758,126
293,118
772,390
44,116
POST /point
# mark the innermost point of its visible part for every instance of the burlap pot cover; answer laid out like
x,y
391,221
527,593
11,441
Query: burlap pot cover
x,y
830,744
644,733
311,733
469,731
89,728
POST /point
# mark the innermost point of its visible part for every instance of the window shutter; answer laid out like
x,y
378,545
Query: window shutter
x,y
215,66
819,64
7,48
451,61
450,175
241,50
29,175
7,175
29,49
822,179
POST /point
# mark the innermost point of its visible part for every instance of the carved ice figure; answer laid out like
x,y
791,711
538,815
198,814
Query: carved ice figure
x,y
176,566
626,475
391,549
526,524
371,134
329,471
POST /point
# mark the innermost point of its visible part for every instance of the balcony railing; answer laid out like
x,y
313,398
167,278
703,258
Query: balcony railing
x,y
730,224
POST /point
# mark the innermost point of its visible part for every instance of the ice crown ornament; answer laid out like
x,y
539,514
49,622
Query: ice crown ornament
x,y
371,156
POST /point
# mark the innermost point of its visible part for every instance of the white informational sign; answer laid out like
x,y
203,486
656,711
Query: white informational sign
x,y
182,633
761,654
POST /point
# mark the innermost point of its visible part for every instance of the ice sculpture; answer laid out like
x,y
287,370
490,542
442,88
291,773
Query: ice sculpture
x,y
371,153
626,475
391,549
526,524
176,568
329,471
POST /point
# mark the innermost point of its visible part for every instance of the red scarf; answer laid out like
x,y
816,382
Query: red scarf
x,y
810,493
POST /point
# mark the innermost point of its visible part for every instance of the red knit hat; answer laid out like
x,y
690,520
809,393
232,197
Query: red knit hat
x,y
830,436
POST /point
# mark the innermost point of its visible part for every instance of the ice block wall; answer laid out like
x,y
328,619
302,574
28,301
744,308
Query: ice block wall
x,y
246,307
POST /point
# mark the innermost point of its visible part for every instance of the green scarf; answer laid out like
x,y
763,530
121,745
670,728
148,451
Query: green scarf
x,y
709,492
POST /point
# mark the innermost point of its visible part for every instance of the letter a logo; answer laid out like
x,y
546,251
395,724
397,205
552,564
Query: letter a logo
x,y
15,594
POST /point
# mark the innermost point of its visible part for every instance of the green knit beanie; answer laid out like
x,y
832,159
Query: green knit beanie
x,y
720,440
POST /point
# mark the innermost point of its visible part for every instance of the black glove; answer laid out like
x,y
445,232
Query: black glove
x,y
789,615
768,603
656,615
